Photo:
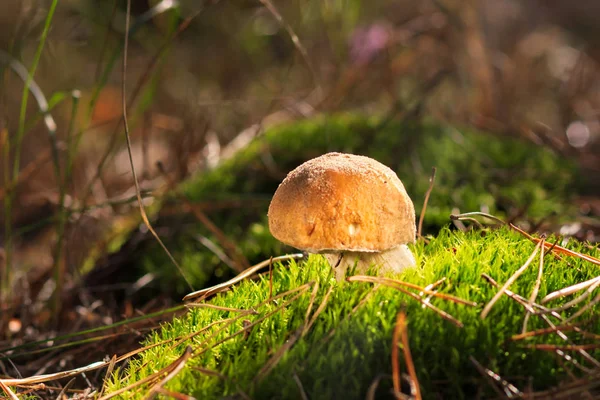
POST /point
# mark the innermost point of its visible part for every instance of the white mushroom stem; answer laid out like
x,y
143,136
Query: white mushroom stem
x,y
390,261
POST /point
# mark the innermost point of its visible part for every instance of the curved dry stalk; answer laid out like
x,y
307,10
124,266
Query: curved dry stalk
x,y
569,290
552,246
583,309
430,287
52,377
536,288
400,326
199,350
427,194
318,311
8,391
423,290
510,390
206,292
378,280
510,281
401,334
521,300
295,39
175,368
576,300
128,141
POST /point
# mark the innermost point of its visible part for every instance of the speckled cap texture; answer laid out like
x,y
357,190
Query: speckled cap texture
x,y
342,202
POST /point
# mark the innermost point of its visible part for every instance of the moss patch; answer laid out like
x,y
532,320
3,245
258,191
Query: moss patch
x,y
344,351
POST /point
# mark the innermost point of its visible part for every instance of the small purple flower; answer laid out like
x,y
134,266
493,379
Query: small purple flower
x,y
367,42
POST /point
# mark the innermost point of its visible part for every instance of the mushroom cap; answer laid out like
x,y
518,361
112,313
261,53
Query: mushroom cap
x,y
342,202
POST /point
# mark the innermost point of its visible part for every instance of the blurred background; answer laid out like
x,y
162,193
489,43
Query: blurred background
x,y
204,78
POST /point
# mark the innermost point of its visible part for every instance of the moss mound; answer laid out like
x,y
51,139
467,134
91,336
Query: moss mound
x,y
263,353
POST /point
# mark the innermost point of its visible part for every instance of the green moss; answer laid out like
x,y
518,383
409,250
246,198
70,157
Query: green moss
x,y
344,352
474,171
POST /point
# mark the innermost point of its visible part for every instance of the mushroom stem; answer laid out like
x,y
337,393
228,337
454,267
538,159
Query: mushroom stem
x,y
390,261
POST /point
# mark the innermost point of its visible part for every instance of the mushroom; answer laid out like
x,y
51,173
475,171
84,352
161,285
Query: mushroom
x,y
350,209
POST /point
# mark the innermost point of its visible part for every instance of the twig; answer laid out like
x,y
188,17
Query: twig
x,y
577,300
221,308
584,309
570,290
7,390
109,370
373,387
272,362
52,377
133,172
565,347
295,39
270,277
303,394
431,286
521,300
415,296
311,302
175,395
318,311
427,194
509,282
410,366
64,389
175,368
510,391
459,217
395,282
543,331
536,288
206,292
400,325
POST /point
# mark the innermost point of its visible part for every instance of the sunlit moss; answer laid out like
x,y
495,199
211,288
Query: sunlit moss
x,y
344,352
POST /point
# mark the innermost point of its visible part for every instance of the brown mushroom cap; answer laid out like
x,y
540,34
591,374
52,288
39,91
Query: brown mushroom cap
x,y
342,202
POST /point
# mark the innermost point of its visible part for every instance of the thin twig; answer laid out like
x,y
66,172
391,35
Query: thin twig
x,y
175,368
521,300
509,282
584,309
206,292
410,366
415,296
109,370
395,282
564,347
303,394
52,377
295,39
577,300
133,172
270,277
570,290
373,387
64,389
272,362
536,288
430,287
318,311
311,302
427,194
510,391
8,391
220,308
400,325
